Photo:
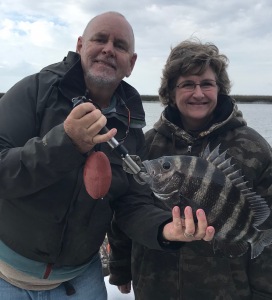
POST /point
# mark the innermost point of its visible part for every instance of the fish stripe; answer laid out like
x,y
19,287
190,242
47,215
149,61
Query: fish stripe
x,y
213,183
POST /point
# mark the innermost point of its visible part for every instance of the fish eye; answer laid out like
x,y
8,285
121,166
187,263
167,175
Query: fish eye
x,y
166,165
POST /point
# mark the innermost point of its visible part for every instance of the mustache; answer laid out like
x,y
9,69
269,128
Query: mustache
x,y
108,61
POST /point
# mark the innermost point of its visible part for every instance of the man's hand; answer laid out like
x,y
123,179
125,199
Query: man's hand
x,y
83,125
185,230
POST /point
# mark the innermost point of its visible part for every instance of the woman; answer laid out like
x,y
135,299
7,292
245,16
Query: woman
x,y
198,111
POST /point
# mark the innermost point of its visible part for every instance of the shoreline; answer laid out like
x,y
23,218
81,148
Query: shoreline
x,y
238,98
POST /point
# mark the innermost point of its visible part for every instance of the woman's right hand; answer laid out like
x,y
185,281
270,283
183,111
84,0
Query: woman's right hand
x,y
185,229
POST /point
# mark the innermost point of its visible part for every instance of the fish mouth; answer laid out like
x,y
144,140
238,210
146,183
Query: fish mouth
x,y
147,167
143,177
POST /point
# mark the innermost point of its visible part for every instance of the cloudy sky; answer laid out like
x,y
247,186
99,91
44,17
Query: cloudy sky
x,y
34,34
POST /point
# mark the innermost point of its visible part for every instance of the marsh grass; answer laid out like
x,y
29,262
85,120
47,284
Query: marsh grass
x,y
238,98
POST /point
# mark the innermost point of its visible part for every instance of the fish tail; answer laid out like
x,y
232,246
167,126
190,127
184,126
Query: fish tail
x,y
264,238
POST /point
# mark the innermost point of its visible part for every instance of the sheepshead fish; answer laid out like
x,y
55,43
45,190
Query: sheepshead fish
x,y
212,183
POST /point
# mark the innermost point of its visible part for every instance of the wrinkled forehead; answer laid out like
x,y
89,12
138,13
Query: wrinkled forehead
x,y
112,25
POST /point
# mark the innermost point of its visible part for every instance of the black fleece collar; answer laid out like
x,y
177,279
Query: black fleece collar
x,y
72,84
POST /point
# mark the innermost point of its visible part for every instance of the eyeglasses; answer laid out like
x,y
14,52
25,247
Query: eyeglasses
x,y
205,85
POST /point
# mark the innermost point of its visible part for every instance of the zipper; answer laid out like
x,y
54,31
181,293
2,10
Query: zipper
x,y
189,149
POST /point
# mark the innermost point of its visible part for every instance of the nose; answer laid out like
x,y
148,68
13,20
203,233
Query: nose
x,y
198,91
108,48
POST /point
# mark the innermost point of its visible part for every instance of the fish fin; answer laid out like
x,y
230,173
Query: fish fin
x,y
226,167
215,158
236,176
264,239
231,249
259,207
206,152
210,155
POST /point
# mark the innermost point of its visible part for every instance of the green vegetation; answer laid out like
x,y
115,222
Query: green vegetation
x,y
252,99
238,98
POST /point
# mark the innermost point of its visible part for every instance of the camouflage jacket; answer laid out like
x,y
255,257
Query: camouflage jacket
x,y
196,270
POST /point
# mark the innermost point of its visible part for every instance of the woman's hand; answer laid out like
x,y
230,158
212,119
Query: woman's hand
x,y
185,229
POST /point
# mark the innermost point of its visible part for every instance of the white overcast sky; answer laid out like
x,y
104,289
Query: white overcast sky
x,y
34,34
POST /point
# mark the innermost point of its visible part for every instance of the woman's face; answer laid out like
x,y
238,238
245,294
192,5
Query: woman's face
x,y
196,99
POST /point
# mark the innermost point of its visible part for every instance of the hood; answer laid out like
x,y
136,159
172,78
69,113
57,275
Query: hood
x,y
227,116
70,70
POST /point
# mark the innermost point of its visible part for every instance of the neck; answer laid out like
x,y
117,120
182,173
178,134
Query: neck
x,y
195,126
100,92
101,96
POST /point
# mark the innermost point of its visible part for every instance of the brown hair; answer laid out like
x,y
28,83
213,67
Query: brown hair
x,y
192,57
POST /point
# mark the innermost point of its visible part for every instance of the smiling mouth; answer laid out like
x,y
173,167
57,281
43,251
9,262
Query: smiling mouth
x,y
198,103
105,63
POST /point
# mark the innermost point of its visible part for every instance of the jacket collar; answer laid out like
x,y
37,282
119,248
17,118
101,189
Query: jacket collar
x,y
226,117
72,84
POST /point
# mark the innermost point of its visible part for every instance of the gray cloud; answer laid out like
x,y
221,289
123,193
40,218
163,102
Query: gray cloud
x,y
36,33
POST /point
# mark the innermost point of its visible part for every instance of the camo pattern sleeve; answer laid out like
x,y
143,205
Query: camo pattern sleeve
x,y
254,155
260,268
260,275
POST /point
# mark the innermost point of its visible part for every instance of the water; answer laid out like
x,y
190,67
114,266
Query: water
x,y
257,115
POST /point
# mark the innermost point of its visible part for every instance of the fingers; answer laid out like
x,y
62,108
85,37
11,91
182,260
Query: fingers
x,y
173,231
87,116
201,224
189,222
101,138
186,229
177,221
199,231
83,125
203,231
210,231
81,110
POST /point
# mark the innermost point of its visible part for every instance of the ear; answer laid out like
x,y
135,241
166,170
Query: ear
x,y
132,64
79,44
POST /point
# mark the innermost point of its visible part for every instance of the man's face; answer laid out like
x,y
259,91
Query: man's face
x,y
107,50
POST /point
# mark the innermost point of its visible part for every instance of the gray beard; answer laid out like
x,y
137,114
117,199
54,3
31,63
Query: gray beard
x,y
100,81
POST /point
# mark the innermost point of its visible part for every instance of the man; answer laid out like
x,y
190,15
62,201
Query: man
x,y
50,228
